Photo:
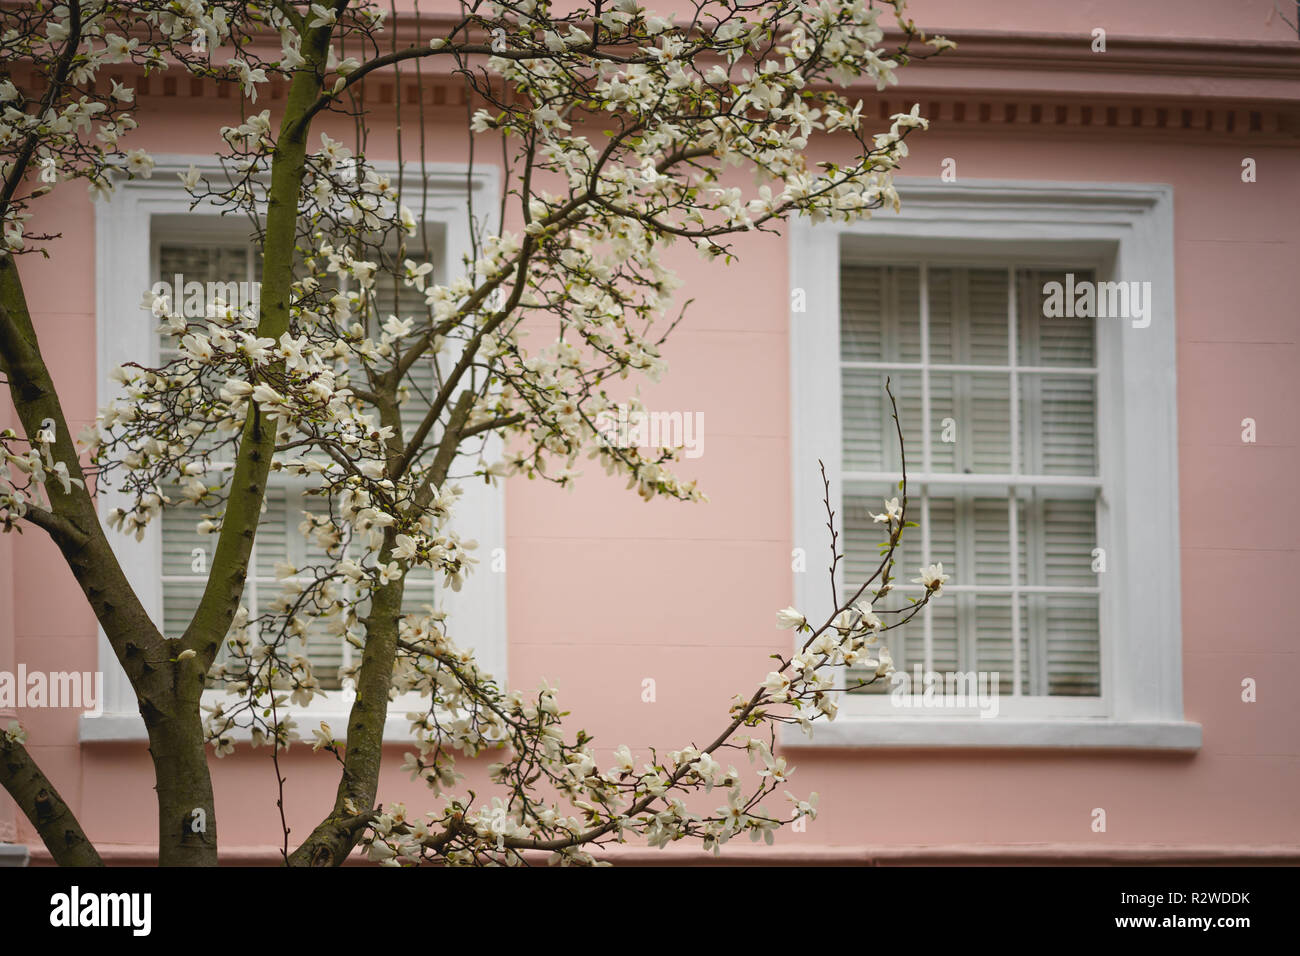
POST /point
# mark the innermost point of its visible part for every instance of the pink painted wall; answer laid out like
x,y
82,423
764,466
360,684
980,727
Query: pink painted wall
x,y
605,590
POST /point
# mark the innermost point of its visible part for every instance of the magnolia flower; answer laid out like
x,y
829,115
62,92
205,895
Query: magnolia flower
x,y
323,737
932,577
235,388
626,764
407,219
15,732
290,57
804,808
415,273
139,163
892,511
399,328
776,769
60,470
869,618
405,548
708,770
322,16
790,618
777,684
249,77
264,394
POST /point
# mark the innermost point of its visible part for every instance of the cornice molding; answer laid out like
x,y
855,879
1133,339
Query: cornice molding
x,y
996,82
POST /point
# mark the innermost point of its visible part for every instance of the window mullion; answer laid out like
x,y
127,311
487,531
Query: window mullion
x,y
965,527
924,298
1013,510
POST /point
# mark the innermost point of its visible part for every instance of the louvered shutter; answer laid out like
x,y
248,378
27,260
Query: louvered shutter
x,y
185,572
1059,437
278,538
417,389
968,529
879,321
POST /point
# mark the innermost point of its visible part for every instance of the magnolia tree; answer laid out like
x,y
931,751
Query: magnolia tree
x,y
614,129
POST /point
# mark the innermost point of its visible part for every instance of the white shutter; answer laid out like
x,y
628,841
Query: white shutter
x,y
418,387
1059,437
968,326
1058,412
879,321
862,537
279,540
1058,535
969,531
970,534
179,541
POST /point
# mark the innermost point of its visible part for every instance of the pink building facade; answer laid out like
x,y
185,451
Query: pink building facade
x,y
1114,497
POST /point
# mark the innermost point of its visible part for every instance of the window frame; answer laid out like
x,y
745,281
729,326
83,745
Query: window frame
x,y
125,250
923,481
1123,232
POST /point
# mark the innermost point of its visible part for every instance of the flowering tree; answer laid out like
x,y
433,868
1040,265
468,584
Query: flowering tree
x,y
615,128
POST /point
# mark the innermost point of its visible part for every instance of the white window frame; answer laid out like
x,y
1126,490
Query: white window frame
x,y
124,252
1123,232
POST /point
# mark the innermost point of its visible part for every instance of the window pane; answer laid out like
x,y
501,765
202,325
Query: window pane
x,y
278,536
1058,424
968,316
970,423
325,650
971,536
392,296
880,309
1054,340
863,536
1064,646
994,653
180,264
1057,538
186,558
870,437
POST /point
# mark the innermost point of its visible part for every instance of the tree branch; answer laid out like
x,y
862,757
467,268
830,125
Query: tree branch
x,y
44,807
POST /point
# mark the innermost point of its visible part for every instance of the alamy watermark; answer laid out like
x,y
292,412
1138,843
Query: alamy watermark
x,y
951,690
198,300
1086,299
75,909
626,428
82,690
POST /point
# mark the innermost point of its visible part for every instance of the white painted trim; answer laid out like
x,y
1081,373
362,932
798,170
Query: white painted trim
x,y
1074,733
1125,232
14,854
123,727
122,275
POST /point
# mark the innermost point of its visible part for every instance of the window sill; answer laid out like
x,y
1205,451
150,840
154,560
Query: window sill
x,y
14,854
129,728
997,733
